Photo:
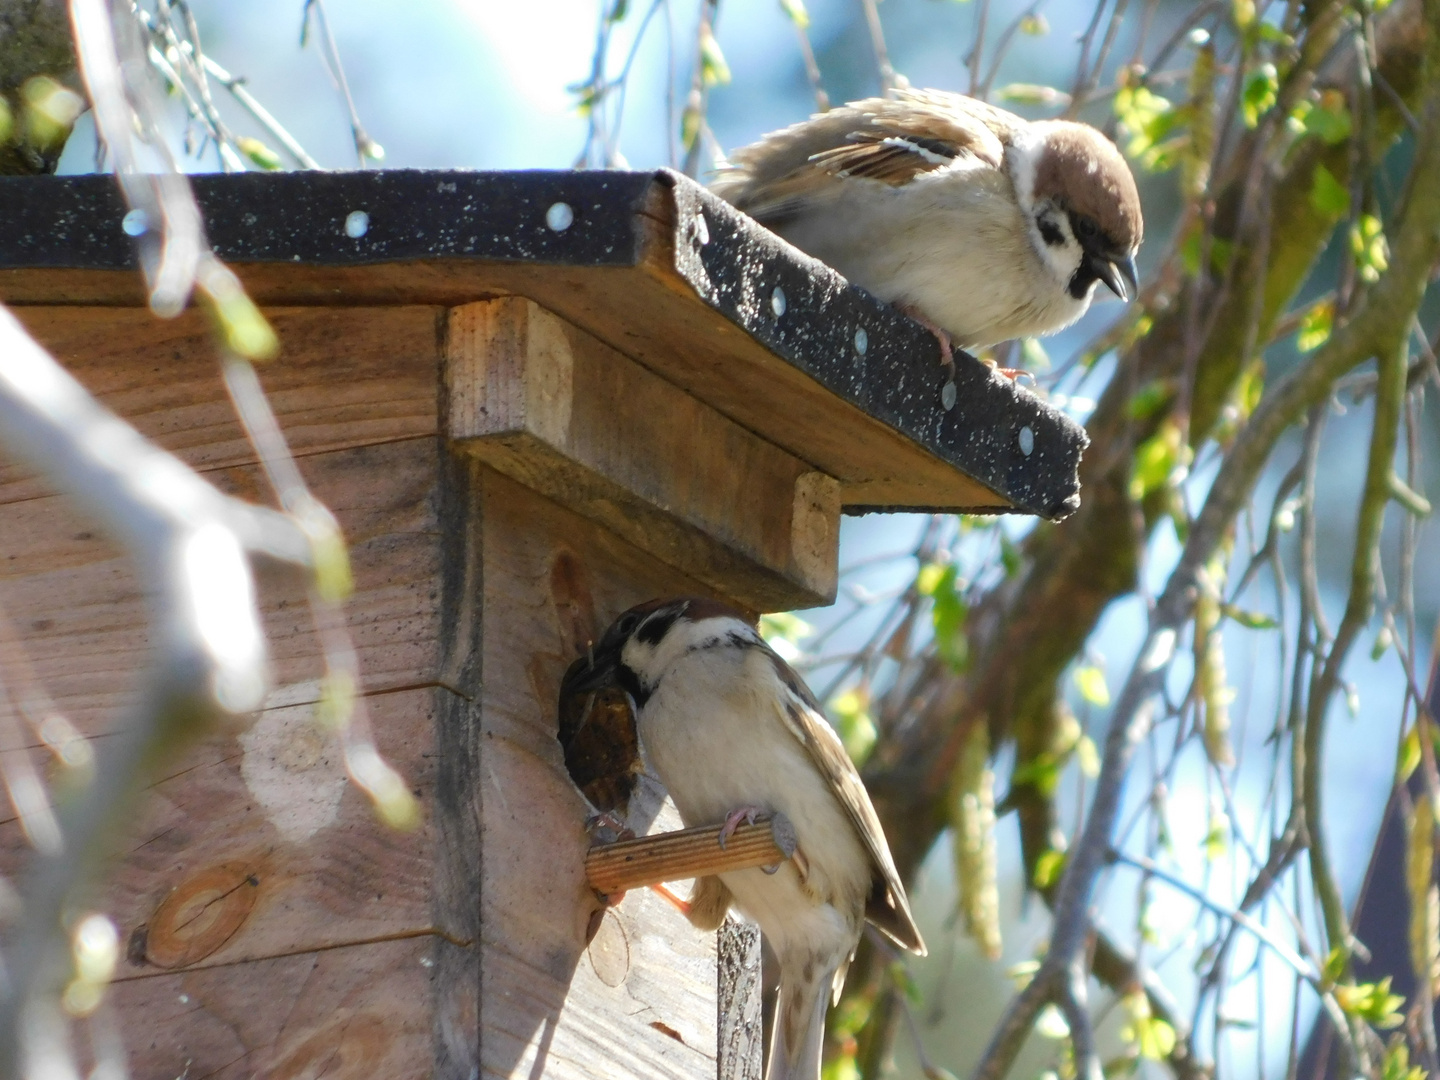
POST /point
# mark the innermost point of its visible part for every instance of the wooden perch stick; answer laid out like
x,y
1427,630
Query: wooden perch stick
x,y
689,853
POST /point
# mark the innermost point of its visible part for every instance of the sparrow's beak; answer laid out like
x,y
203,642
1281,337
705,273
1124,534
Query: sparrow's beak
x,y
594,671
1118,275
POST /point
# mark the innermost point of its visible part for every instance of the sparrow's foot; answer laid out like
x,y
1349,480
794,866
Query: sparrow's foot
x,y
679,903
748,814
947,343
605,820
1011,373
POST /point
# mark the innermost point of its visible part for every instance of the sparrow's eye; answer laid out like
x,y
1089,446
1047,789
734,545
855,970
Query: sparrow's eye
x,y
1086,231
627,625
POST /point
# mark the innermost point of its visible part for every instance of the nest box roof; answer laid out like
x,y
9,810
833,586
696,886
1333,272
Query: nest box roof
x,y
649,262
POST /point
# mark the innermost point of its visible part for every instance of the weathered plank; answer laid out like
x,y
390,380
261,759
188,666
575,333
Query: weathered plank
x,y
345,1014
345,377
571,418
77,603
256,845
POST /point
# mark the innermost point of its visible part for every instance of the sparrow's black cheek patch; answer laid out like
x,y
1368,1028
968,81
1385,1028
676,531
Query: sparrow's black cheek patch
x,y
1050,232
632,685
657,626
1082,281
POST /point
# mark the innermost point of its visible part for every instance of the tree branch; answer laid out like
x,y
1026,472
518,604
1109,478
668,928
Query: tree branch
x,y
1377,329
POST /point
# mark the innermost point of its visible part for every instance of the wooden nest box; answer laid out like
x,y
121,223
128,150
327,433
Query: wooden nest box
x,y
533,400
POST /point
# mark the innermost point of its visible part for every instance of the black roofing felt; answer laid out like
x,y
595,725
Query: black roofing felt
x,y
733,264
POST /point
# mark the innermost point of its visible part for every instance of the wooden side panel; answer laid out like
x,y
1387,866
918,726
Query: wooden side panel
x,y
354,1013
345,377
76,601
640,999
547,404
272,926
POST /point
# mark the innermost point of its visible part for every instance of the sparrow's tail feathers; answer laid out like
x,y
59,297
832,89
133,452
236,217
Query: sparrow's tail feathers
x,y
799,1035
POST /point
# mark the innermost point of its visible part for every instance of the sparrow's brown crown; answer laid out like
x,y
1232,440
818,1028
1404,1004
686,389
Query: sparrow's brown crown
x,y
1080,169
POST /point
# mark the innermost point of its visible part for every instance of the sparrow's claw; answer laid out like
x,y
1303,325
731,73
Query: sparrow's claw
x,y
605,819
747,814
947,343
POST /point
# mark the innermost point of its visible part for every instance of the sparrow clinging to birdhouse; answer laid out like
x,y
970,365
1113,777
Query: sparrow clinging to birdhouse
x,y
733,732
982,225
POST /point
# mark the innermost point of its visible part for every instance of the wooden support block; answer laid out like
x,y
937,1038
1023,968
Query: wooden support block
x,y
612,869
547,404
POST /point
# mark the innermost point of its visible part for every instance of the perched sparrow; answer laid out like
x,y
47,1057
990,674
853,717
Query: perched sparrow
x,y
733,732
982,225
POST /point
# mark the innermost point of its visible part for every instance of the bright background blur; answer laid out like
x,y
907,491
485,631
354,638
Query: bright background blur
x,y
482,84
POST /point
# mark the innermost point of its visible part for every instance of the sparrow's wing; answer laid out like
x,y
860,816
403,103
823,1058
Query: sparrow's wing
x,y
891,140
887,906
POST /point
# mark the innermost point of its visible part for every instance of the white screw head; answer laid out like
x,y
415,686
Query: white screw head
x,y
559,217
357,224
947,395
1027,441
702,230
777,301
862,341
135,223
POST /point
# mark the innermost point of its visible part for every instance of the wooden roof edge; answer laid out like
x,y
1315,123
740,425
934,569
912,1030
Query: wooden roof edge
x,y
997,431
798,309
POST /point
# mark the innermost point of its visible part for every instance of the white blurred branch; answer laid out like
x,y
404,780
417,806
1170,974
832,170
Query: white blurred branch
x,y
190,543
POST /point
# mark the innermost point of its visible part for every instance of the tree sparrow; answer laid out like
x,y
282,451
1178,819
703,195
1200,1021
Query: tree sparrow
x,y
982,225
733,732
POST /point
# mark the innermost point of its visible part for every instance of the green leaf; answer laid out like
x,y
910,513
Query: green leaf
x,y
1151,1037
1261,89
1033,355
619,11
1042,772
1150,399
259,153
7,121
1091,682
1088,756
1048,868
1397,1062
690,122
929,578
1147,118
244,328
1372,1002
1327,120
1251,620
784,626
1315,325
1010,557
1368,245
948,615
1409,755
1217,834
1160,460
1383,641
1032,94
795,10
1328,197
1334,967
1050,1024
713,68
905,982
852,720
